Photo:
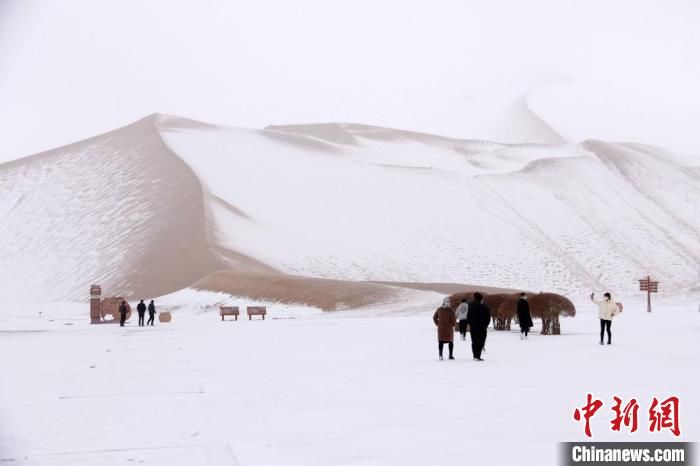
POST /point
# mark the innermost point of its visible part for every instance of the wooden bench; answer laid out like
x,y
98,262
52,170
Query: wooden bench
x,y
229,311
256,311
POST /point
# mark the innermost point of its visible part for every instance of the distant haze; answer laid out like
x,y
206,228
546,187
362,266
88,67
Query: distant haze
x,y
70,69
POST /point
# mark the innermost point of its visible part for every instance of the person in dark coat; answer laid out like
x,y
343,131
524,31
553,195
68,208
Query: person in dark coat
x,y
141,308
151,313
122,313
524,316
478,319
445,320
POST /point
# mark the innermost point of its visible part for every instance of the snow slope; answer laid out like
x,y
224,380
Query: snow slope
x,y
118,209
358,202
158,205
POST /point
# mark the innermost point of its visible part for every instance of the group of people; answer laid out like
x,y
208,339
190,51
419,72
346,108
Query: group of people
x,y
141,309
476,316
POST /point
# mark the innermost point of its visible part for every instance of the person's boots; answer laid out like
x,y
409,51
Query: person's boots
x,y
522,336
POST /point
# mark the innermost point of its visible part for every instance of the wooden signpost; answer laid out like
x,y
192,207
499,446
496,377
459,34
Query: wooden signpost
x,y
646,284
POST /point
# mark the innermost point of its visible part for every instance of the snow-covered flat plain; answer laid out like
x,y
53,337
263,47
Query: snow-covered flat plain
x,y
311,388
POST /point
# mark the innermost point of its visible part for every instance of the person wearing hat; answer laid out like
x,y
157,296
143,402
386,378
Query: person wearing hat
x,y
445,320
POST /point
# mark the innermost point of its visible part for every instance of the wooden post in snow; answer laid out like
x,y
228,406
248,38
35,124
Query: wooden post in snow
x,y
650,286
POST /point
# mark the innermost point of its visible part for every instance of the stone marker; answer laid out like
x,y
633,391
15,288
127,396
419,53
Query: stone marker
x,y
95,296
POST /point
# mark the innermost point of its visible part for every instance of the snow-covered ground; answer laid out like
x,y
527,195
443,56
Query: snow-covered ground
x,y
311,388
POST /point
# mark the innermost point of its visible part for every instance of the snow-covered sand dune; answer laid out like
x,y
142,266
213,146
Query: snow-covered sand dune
x,y
119,209
158,205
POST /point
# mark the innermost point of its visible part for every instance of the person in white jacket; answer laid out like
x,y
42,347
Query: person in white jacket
x,y
607,309
461,313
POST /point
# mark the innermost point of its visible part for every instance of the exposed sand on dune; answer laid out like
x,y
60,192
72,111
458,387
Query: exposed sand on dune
x,y
329,295
176,250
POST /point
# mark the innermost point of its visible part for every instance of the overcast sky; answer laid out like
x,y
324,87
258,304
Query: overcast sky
x,y
70,69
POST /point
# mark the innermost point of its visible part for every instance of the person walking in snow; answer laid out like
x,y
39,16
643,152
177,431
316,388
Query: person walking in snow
x,y
141,308
122,313
462,317
444,318
478,319
524,316
607,309
151,313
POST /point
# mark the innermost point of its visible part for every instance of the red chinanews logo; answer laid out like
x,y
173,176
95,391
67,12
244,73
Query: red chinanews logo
x,y
662,414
